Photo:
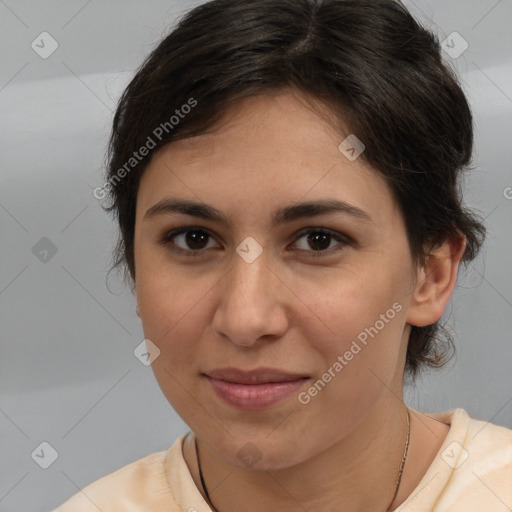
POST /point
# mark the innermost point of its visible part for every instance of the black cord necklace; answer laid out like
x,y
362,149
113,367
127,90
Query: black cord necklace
x,y
202,478
397,485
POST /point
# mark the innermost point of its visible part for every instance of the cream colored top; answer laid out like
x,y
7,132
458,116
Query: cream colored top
x,y
472,472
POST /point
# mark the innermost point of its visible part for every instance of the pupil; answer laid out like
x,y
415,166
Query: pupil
x,y
194,238
313,239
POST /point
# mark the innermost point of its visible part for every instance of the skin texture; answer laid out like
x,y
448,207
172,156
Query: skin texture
x,y
288,310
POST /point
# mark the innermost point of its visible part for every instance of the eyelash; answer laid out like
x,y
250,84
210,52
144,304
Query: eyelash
x,y
343,239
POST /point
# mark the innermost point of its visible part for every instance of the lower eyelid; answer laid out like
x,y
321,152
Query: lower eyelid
x,y
168,237
343,242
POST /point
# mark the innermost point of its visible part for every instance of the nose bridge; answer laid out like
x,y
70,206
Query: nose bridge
x,y
248,308
250,269
249,265
249,278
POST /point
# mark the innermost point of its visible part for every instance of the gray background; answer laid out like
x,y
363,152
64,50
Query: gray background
x,y
68,375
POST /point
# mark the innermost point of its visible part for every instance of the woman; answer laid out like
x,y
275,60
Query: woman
x,y
255,133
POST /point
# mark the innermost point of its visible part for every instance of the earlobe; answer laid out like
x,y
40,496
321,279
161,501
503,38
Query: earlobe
x,y
436,282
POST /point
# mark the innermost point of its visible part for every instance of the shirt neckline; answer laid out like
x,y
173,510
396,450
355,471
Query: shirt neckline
x,y
429,489
425,494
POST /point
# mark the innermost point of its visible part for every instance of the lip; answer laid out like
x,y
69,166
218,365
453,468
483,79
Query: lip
x,y
255,389
257,376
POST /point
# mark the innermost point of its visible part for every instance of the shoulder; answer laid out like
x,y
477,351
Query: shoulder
x,y
488,451
479,455
486,446
140,485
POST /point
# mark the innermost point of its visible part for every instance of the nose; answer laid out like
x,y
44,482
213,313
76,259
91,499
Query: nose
x,y
253,303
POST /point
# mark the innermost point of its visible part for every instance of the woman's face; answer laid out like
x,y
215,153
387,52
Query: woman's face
x,y
250,294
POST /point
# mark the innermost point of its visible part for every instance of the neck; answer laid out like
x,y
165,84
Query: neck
x,y
339,478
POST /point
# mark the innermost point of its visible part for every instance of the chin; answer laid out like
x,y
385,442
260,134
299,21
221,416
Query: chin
x,y
260,453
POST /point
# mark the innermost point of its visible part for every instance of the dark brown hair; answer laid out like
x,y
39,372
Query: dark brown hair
x,y
370,61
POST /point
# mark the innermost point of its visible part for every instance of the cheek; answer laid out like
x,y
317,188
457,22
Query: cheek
x,y
359,306
166,311
175,308
357,355
173,317
164,294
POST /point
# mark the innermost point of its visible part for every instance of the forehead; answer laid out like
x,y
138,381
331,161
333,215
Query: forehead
x,y
279,119
267,149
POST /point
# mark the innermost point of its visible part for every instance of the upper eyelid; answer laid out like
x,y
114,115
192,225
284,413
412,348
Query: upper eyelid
x,y
172,233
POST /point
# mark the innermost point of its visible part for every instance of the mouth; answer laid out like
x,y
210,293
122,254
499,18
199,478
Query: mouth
x,y
256,389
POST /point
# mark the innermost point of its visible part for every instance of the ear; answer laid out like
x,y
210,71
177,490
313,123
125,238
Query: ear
x,y
435,282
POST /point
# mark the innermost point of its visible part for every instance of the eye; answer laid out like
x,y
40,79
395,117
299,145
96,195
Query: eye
x,y
192,238
320,239
191,241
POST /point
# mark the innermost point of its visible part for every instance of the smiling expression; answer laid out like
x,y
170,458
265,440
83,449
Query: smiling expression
x,y
261,280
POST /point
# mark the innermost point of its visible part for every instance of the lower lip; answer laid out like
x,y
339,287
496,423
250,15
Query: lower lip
x,y
254,397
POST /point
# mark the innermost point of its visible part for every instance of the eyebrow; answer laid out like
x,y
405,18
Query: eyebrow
x,y
169,206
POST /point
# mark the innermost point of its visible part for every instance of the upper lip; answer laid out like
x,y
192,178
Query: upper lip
x,y
257,376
